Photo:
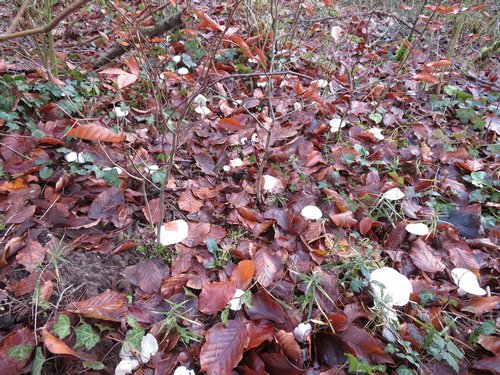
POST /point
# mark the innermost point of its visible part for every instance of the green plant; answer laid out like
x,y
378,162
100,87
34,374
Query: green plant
x,y
278,200
357,366
441,347
174,321
221,256
154,250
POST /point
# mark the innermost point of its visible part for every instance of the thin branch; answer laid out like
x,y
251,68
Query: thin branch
x,y
47,27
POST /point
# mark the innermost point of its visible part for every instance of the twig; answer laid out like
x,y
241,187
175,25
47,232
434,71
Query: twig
x,y
274,15
47,27
18,16
148,32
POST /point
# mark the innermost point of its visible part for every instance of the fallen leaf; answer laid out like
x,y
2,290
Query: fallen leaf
x,y
223,348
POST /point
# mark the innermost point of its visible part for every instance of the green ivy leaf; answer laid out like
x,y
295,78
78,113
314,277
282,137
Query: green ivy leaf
x,y
376,118
94,365
38,362
85,336
20,352
486,328
62,328
46,172
133,341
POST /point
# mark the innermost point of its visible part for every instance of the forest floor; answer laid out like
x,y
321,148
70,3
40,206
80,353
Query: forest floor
x,y
265,188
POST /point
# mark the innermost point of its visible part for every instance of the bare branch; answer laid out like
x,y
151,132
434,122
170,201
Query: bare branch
x,y
47,27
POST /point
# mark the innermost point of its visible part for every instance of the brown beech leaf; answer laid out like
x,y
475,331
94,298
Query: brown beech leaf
x,y
264,307
265,267
56,346
224,347
461,255
365,225
289,346
396,236
426,77
95,132
487,364
343,219
173,285
187,202
215,296
154,211
31,255
150,276
423,257
363,345
491,343
277,363
481,305
18,214
243,273
259,331
109,305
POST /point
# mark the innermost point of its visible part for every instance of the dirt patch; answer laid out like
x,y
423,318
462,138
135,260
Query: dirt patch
x,y
95,271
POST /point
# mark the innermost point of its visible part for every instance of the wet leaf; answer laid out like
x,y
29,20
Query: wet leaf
x,y
224,347
95,132
56,346
215,296
109,305
423,258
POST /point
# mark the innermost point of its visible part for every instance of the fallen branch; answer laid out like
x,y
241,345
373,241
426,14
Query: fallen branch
x,y
47,27
149,32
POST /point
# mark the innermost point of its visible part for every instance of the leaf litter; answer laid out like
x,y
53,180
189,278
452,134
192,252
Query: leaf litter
x,y
369,169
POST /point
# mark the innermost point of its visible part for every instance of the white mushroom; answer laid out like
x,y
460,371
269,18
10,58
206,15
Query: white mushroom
x,y
377,132
149,347
302,332
202,110
235,303
311,213
126,366
336,124
183,370
235,163
183,71
467,281
269,182
390,286
73,156
173,232
419,229
393,194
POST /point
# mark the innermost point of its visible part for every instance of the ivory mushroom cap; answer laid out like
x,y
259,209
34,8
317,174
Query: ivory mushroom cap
x,y
396,288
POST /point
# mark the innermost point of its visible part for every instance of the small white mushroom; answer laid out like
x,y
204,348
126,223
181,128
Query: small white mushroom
x,y
336,124
311,213
183,370
394,194
390,286
120,112
72,156
419,229
176,59
235,302
126,366
467,281
377,132
270,182
173,232
302,332
235,163
149,347
202,110
183,71
226,168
